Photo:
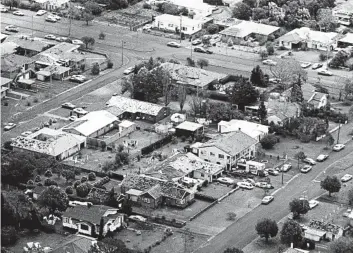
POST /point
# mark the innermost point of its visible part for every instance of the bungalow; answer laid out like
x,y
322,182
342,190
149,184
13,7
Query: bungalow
x,y
346,41
124,107
53,72
246,29
88,219
189,129
227,149
53,5
320,230
172,23
29,46
318,100
304,37
255,130
74,244
13,64
51,142
152,192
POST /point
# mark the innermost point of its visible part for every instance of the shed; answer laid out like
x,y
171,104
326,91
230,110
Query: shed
x,y
188,128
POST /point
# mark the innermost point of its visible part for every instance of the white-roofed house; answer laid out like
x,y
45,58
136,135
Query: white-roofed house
x,y
50,142
124,107
188,128
346,41
172,23
196,6
255,130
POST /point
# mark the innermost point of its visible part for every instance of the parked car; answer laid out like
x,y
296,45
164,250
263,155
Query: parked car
x,y
50,37
129,70
12,28
264,185
305,65
267,199
269,62
249,180
173,44
317,65
239,173
73,118
202,50
338,147
245,185
3,9
225,180
61,39
309,161
286,167
54,15
51,19
80,111
321,158
273,172
196,42
274,80
306,169
324,72
68,106
262,173
346,178
41,12
313,203
9,126
79,203
78,78
77,42
18,13
137,218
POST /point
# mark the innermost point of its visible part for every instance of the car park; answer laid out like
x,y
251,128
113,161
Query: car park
x,y
245,185
321,158
18,13
226,180
173,44
305,65
338,147
313,203
80,111
264,185
129,70
9,126
317,65
272,172
269,62
50,37
41,12
309,161
306,169
202,50
346,178
78,78
137,218
11,28
73,118
324,72
68,106
196,42
267,199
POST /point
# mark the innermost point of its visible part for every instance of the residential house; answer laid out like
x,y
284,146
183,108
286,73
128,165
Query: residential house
x,y
126,108
255,130
227,149
53,5
182,165
13,64
246,29
198,7
317,100
190,76
172,23
29,46
87,219
8,47
152,192
55,143
304,37
2,37
345,41
5,86
53,72
93,124
74,244
320,230
225,23
343,13
189,129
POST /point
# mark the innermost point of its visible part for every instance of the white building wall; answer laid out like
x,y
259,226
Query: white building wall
x,y
212,154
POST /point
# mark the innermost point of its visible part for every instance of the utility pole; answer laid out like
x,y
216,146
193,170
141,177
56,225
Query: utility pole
x,y
339,130
180,26
70,21
32,26
122,53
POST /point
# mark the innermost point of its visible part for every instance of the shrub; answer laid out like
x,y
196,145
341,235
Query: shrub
x,y
268,141
95,69
83,189
69,190
9,236
37,179
212,29
7,145
49,182
84,179
91,176
174,140
47,228
25,6
48,173
323,56
110,64
270,49
101,35
76,183
30,182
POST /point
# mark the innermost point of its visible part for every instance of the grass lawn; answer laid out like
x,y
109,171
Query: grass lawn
x,y
216,190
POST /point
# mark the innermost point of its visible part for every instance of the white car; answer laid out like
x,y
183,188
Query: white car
x,y
78,78
128,71
77,42
324,72
137,218
274,80
11,28
25,134
80,111
68,106
305,65
51,19
286,167
338,147
61,39
147,27
55,16
9,126
267,199
73,118
41,12
346,178
18,13
3,9
321,158
313,203
269,62
79,203
317,65
309,161
306,169
173,44
249,180
225,180
264,185
196,42
245,185
50,37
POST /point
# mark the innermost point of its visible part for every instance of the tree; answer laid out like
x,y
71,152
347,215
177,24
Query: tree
x,y
93,8
242,93
12,3
122,158
233,250
223,111
196,106
262,112
95,69
109,245
82,190
88,41
54,198
268,141
169,8
331,184
212,29
350,197
263,54
190,62
259,13
341,245
329,139
298,207
300,156
126,207
257,77
291,233
202,63
181,96
242,11
325,20
87,17
339,60
266,228
296,93
270,49
69,175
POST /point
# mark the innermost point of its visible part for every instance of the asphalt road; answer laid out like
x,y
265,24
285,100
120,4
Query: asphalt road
x,y
242,232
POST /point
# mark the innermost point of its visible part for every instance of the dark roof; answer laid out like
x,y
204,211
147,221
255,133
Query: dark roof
x,y
91,214
78,244
30,44
14,61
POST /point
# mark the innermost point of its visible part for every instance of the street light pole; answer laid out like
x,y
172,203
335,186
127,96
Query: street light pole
x,y
32,26
339,130
180,26
122,52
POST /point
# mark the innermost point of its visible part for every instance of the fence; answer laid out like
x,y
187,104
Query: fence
x,y
162,34
148,149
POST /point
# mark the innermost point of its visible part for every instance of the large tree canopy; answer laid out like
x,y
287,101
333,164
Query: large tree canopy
x,y
54,198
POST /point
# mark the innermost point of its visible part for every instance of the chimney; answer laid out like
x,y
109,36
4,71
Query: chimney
x,y
239,129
